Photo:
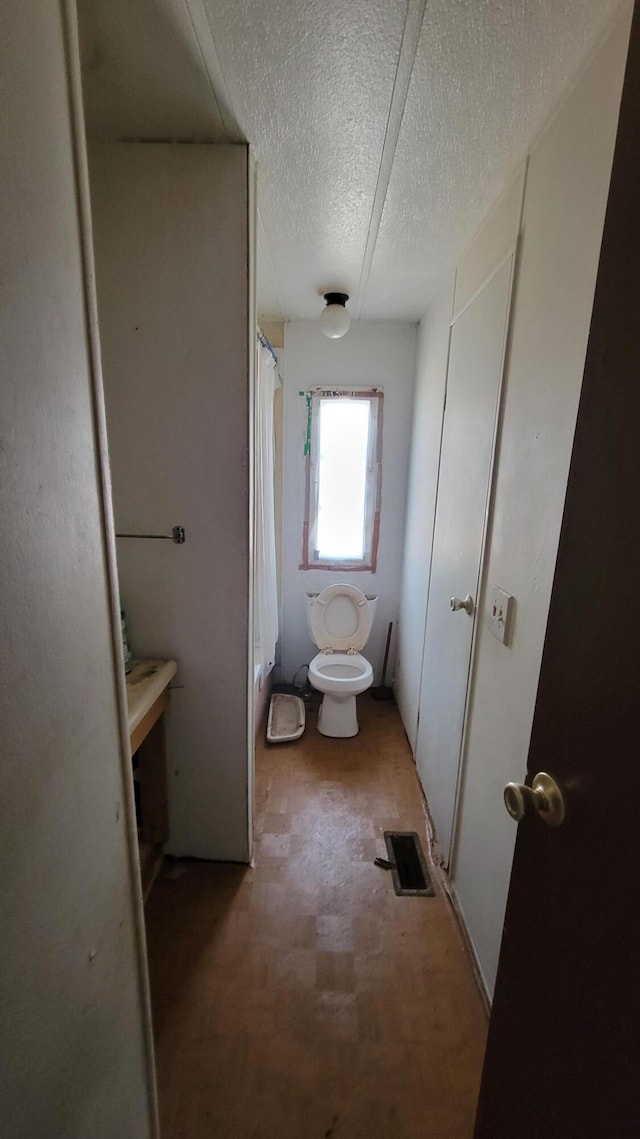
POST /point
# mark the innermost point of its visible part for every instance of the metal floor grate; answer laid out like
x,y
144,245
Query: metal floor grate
x,y
410,874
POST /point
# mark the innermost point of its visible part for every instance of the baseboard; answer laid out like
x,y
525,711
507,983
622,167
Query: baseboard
x,y
438,866
450,891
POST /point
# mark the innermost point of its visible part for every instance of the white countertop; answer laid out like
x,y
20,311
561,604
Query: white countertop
x,y
146,681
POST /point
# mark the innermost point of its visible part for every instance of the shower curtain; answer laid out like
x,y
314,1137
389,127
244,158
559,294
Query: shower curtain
x,y
266,586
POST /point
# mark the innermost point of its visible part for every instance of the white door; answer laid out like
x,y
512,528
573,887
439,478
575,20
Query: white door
x,y
473,390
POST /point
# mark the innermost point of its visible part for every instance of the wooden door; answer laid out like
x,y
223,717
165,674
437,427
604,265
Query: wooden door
x,y
563,1055
474,376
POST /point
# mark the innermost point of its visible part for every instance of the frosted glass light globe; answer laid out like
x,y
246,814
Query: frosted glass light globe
x,y
334,319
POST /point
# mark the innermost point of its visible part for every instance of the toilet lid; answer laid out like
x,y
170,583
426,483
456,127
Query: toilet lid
x,y
341,618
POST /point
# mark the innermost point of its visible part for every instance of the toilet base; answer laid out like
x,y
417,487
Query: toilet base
x,y
337,716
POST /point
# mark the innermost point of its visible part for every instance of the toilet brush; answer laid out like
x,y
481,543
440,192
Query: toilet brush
x,y
383,691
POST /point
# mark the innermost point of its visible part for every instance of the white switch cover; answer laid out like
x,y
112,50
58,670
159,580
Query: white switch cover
x,y
500,606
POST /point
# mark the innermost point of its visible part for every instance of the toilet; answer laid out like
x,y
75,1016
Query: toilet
x,y
340,620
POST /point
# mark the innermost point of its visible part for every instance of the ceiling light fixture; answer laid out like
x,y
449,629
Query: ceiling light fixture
x,y
334,319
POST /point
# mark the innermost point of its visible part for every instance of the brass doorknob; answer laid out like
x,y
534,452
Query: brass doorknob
x,y
457,603
543,796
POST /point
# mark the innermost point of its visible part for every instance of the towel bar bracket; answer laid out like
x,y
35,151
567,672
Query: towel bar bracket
x,y
177,535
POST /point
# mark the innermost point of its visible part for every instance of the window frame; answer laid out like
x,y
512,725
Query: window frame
x,y
373,498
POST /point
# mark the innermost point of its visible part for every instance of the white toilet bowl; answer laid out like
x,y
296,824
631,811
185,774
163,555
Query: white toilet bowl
x,y
340,677
340,620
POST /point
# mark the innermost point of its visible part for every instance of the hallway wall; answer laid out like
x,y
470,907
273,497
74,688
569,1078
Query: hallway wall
x,y
565,199
74,1017
172,254
380,354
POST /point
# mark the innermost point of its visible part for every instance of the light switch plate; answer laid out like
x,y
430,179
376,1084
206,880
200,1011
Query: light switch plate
x,y
500,606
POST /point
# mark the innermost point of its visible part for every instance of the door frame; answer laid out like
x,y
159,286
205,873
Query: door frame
x,y
69,18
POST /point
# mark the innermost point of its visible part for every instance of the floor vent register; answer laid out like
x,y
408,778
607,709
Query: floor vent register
x,y
407,864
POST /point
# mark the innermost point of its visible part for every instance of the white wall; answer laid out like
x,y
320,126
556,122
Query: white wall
x,y
380,354
565,201
493,242
564,206
75,1058
431,374
172,250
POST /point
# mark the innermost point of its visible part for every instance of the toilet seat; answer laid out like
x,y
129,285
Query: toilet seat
x,y
340,673
341,619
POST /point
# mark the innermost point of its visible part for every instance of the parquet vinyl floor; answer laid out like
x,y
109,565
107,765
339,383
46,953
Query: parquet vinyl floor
x,y
300,998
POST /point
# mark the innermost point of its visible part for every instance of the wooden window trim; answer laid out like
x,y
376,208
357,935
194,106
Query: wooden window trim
x,y
347,566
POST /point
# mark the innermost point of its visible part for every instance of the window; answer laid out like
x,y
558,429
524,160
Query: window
x,y
344,476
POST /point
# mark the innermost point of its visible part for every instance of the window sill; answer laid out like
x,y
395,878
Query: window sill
x,y
339,567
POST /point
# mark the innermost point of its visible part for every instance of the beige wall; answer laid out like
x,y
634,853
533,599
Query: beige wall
x,y
172,249
274,332
76,1061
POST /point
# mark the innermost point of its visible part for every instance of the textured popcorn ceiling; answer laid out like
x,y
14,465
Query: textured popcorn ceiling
x,y
457,88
